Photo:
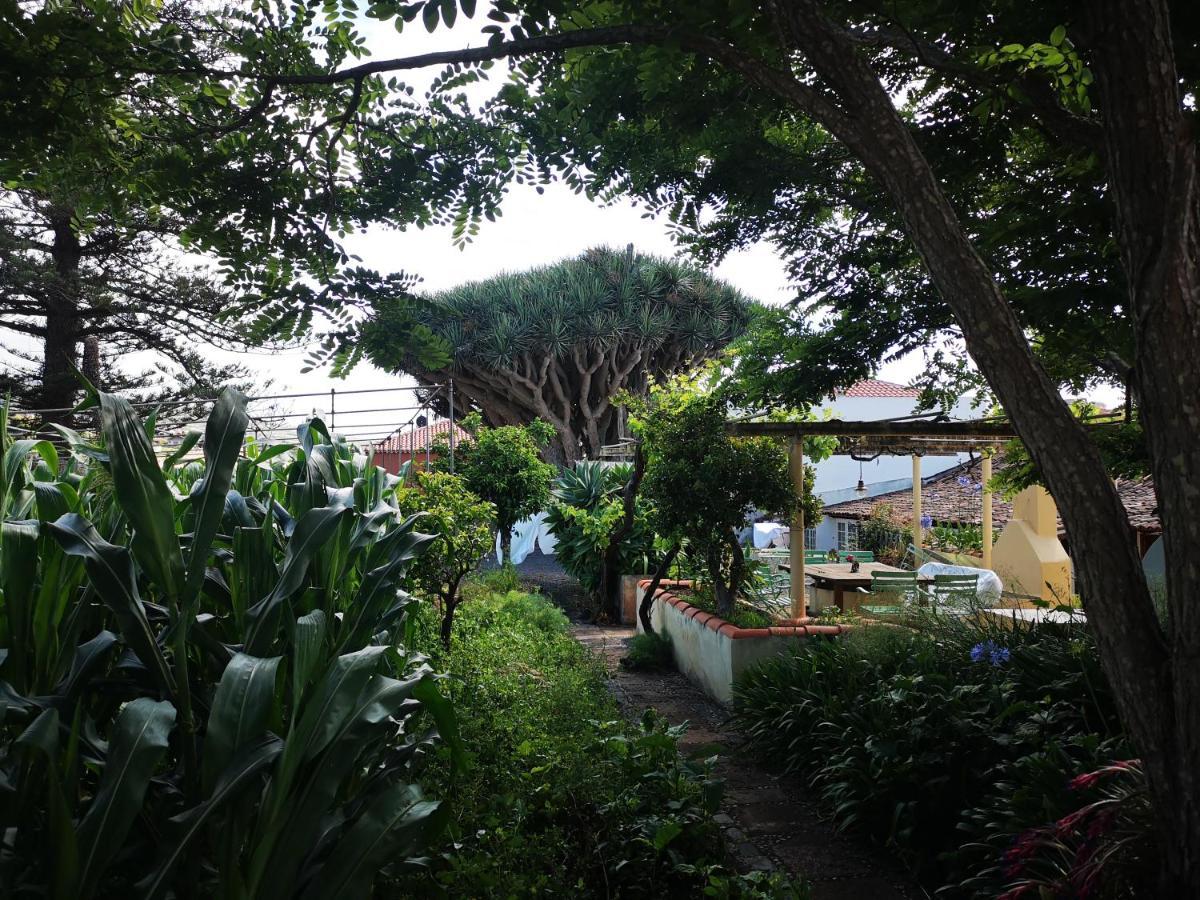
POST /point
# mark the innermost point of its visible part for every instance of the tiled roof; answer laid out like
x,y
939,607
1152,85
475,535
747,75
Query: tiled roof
x,y
872,387
407,438
953,497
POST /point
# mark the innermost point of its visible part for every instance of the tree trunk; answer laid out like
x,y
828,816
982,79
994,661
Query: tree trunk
x,y
506,545
450,605
60,351
91,360
610,571
647,603
1151,154
1159,695
724,593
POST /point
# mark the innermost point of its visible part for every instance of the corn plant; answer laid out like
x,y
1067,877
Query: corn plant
x,y
203,684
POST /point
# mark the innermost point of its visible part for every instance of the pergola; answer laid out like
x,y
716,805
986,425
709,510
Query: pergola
x,y
898,437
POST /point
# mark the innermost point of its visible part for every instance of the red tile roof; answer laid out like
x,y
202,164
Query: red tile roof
x,y
406,438
873,387
953,497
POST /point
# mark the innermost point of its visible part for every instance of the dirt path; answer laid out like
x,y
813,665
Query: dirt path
x,y
769,820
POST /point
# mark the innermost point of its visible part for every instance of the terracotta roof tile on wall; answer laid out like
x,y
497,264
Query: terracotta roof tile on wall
x,y
406,439
953,497
872,387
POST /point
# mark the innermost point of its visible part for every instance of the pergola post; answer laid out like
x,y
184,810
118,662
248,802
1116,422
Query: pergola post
x,y
986,518
916,504
796,539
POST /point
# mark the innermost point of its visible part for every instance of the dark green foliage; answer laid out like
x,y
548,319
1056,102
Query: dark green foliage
x,y
649,652
921,735
588,506
503,466
561,341
203,680
564,797
884,535
704,484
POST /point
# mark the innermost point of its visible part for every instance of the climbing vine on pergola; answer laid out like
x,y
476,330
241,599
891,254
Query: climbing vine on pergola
x,y
561,341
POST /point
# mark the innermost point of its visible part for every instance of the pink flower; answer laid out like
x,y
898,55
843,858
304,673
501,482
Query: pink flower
x,y
1015,893
1068,823
1084,781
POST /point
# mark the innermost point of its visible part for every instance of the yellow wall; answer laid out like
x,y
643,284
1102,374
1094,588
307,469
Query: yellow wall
x,y
1028,557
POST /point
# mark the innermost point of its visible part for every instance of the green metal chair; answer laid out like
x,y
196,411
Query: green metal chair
x,y
956,595
815,557
859,555
771,557
896,589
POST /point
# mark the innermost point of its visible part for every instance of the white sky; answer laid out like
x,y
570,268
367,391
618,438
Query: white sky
x,y
532,230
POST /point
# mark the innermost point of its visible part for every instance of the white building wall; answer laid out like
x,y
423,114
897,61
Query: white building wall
x,y
837,477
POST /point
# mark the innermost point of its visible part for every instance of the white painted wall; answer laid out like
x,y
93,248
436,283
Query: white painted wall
x,y
838,476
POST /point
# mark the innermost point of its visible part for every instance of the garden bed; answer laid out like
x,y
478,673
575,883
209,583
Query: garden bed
x,y
712,652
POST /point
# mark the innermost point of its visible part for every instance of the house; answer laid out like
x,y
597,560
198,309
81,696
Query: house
x,y
953,497
417,443
837,478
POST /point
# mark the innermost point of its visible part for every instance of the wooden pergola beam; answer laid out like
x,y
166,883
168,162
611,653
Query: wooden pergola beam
x,y
988,432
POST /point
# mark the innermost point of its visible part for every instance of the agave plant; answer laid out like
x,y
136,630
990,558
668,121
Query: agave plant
x,y
203,684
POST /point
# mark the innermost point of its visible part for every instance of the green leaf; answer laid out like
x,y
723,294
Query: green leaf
x,y
110,569
666,833
190,439
223,437
394,825
442,710
143,495
236,777
429,15
312,531
138,743
308,641
18,586
1058,35
241,710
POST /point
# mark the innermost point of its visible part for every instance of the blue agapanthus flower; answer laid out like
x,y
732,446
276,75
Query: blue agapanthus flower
x,y
963,481
991,652
926,521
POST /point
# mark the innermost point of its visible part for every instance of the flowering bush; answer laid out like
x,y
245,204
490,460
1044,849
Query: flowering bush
x,y
991,652
945,743
1103,848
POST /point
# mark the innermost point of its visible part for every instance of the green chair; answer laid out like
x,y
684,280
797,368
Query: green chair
x,y
896,589
771,557
859,555
955,595
815,557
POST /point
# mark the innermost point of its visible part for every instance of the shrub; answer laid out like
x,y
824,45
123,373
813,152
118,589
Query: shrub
x,y
205,692
463,525
920,735
649,652
588,505
704,484
503,466
565,798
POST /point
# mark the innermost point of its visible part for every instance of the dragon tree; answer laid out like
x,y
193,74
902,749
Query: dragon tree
x,y
559,342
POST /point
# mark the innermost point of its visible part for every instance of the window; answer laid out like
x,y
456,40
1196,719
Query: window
x,y
847,535
810,539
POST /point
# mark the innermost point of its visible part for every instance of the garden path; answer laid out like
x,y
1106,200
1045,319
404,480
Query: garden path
x,y
769,820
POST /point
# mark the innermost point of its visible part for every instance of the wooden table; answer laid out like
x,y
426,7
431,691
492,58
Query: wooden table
x,y
838,578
